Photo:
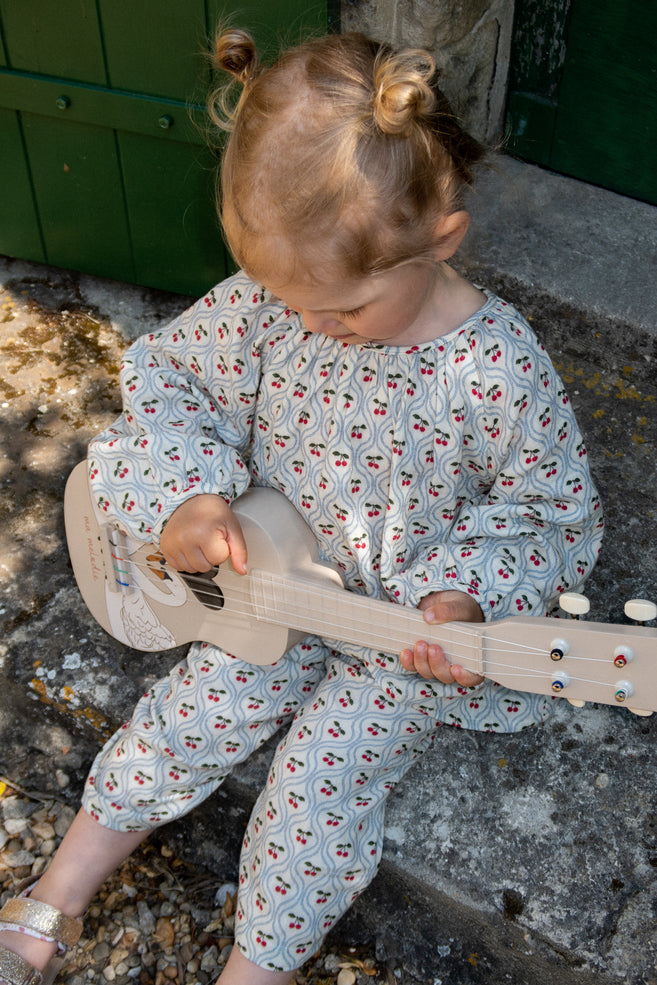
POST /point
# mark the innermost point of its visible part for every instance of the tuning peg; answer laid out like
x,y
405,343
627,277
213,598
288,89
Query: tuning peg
x,y
640,610
574,604
576,702
641,712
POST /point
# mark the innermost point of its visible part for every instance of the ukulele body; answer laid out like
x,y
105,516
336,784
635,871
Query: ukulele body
x,y
289,593
143,603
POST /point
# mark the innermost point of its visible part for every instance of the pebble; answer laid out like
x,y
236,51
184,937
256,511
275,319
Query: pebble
x,y
164,932
15,825
64,821
17,859
146,918
39,865
43,830
63,779
101,952
118,955
48,846
225,890
209,959
13,807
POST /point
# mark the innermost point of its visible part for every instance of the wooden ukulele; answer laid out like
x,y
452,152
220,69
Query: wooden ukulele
x,y
289,593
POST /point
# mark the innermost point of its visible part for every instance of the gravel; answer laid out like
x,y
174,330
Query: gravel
x,y
158,920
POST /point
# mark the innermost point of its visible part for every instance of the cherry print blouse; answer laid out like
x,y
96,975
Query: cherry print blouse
x,y
456,463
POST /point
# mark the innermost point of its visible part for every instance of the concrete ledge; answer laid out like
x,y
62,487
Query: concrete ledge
x,y
587,246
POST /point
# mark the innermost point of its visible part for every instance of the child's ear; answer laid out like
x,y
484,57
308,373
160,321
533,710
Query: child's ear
x,y
449,233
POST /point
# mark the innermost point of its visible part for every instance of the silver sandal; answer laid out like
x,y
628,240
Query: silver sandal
x,y
36,919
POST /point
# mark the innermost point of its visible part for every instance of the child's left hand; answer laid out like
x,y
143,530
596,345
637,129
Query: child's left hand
x,y
429,660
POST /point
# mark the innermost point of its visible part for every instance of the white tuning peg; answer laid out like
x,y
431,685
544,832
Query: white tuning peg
x,y
574,604
641,712
640,610
576,702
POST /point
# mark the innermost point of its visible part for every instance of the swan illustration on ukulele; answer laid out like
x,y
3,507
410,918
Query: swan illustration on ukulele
x,y
290,593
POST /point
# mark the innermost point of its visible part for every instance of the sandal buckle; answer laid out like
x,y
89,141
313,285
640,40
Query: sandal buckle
x,y
32,915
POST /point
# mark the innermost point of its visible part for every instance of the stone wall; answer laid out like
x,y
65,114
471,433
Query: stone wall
x,y
470,40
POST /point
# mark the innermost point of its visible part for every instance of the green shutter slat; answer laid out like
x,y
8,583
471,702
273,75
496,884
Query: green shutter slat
x,y
275,25
583,91
606,129
79,195
41,35
138,46
19,226
171,187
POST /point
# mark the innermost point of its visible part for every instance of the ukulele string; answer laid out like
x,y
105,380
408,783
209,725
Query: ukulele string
x,y
244,596
240,603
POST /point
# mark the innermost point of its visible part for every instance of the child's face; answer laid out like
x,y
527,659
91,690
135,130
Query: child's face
x,y
396,307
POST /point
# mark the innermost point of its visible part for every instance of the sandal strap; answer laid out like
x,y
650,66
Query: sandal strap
x,y
35,917
15,970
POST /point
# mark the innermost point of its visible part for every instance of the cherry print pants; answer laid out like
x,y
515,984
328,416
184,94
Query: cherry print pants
x,y
358,721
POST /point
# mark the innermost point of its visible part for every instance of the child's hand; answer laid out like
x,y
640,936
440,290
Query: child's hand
x,y
428,660
201,533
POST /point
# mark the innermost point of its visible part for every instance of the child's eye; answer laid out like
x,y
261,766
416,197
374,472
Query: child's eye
x,y
354,313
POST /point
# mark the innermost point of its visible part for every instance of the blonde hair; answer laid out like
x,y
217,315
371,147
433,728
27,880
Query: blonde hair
x,y
343,150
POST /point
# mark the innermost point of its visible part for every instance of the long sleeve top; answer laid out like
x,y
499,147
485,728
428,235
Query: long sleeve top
x,y
455,463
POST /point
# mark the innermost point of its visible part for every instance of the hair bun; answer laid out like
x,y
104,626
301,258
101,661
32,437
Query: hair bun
x,y
235,53
402,89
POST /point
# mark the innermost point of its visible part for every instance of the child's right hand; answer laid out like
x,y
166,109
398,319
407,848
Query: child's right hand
x,y
201,533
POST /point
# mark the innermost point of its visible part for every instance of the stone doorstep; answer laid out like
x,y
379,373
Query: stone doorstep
x,y
526,857
582,245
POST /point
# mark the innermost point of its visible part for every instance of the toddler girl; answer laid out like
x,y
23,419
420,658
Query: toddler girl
x,y
413,421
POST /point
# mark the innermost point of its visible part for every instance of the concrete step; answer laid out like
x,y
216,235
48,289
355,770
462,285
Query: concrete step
x,y
523,859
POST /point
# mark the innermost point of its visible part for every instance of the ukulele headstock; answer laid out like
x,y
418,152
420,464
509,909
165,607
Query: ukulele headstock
x,y
639,611
576,659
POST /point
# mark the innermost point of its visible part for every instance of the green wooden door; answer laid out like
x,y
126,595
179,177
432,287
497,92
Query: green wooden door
x,y
104,165
583,91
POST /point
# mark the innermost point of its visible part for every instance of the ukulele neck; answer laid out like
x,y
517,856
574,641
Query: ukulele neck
x,y
341,615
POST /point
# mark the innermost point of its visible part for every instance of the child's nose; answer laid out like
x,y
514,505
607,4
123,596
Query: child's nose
x,y
317,322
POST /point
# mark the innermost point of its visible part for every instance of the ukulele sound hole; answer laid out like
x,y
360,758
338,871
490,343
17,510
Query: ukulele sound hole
x,y
204,589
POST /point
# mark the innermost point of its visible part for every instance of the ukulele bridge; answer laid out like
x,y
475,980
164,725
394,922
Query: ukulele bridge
x,y
118,566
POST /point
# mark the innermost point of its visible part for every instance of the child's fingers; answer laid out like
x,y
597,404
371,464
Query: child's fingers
x,y
429,661
215,547
203,532
237,548
450,606
220,545
224,538
189,558
465,677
